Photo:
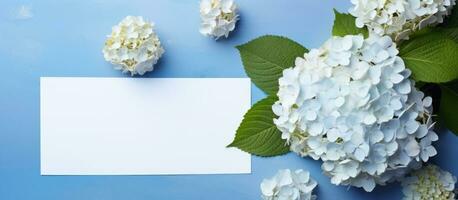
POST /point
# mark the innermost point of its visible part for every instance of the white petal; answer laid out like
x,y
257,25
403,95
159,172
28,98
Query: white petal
x,y
267,187
412,148
412,126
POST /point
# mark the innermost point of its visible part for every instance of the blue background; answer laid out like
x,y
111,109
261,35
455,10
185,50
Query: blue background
x,y
65,38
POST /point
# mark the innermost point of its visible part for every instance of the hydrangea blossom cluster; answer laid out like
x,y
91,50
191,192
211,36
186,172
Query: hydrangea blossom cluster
x,y
287,185
399,17
218,17
430,182
133,46
351,104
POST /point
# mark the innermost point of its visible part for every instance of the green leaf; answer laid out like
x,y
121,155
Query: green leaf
x,y
449,107
257,134
431,57
344,24
452,33
266,57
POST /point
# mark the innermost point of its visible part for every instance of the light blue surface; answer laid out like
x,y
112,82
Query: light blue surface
x,y
65,38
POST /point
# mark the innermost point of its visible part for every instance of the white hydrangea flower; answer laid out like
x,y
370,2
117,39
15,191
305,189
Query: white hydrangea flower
x,y
218,17
133,46
287,185
430,182
398,18
351,104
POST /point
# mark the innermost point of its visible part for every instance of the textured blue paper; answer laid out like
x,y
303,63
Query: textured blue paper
x,y
65,38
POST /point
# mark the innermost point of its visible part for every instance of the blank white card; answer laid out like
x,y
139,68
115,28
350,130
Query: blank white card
x,y
133,126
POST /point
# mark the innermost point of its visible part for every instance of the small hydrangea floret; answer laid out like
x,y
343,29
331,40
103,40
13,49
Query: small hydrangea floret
x,y
288,185
133,46
352,105
398,18
430,182
218,17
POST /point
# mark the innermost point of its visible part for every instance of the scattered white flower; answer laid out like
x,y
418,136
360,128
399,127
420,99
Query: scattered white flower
x,y
430,182
133,46
287,185
351,104
218,17
24,12
398,18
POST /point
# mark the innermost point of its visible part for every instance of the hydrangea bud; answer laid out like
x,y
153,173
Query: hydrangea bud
x,y
218,17
430,182
287,185
133,46
398,18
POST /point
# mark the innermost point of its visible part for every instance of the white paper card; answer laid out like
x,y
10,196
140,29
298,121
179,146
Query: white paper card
x,y
133,126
